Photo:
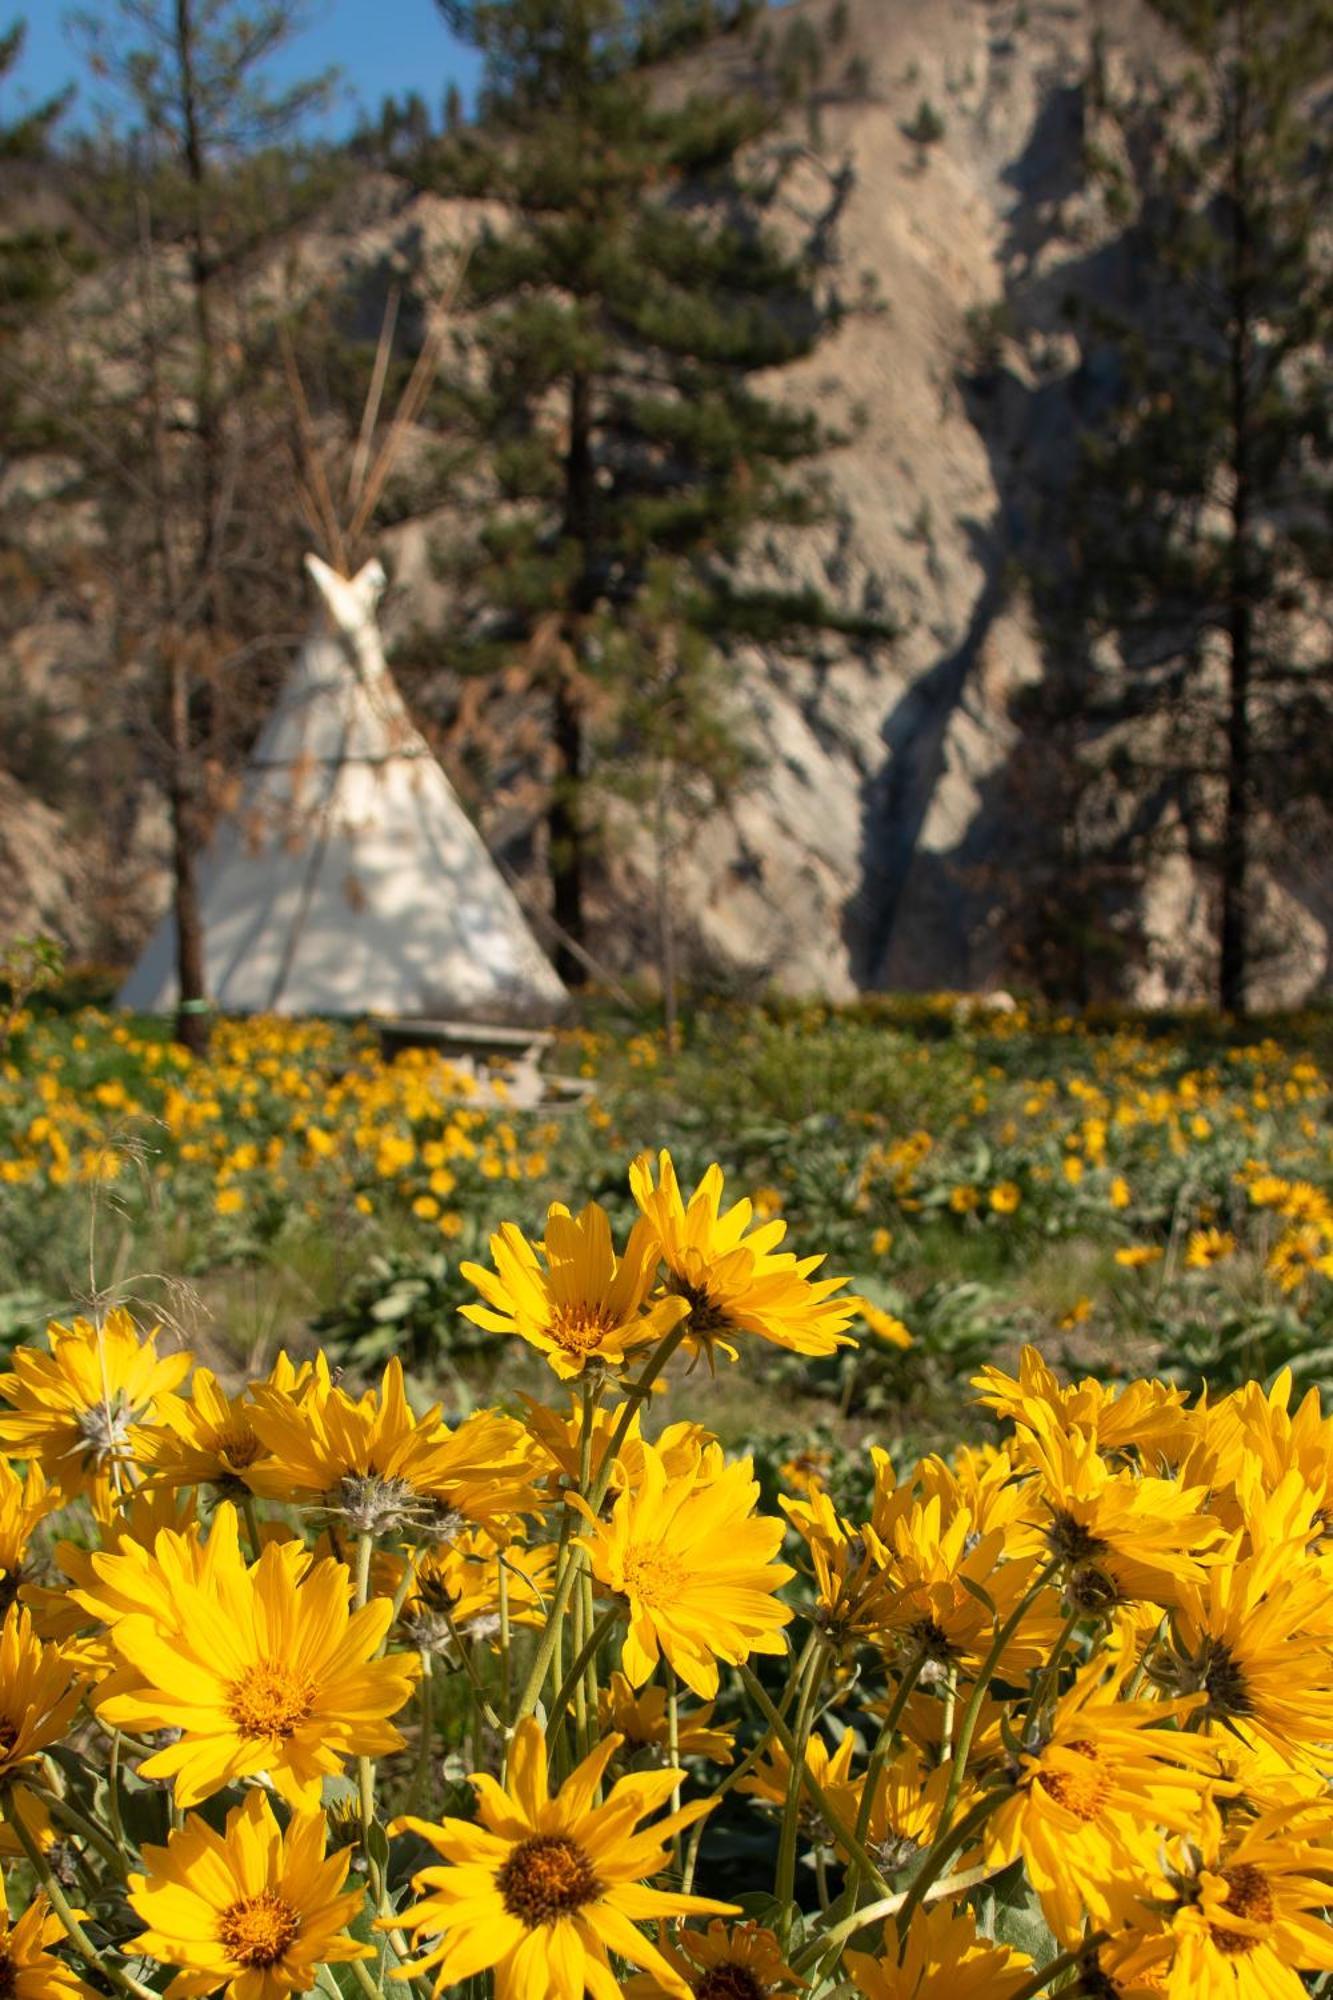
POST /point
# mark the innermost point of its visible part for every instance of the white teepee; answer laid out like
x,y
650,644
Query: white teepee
x,y
349,880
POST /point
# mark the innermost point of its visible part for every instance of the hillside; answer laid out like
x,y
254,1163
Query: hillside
x,y
885,843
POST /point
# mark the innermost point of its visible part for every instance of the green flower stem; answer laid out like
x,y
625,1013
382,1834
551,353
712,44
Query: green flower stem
x,y
70,1816
564,1585
411,1558
830,1941
113,1794
579,1638
74,1930
506,1653
963,1748
426,1709
469,1666
884,1743
741,1770
573,1679
592,1687
1051,1672
252,1527
878,1758
365,1767
947,1844
1064,1963
638,1392
364,1980
843,1834
673,1750
784,1881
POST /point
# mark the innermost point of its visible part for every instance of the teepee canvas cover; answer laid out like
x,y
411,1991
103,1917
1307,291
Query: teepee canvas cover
x,y
350,880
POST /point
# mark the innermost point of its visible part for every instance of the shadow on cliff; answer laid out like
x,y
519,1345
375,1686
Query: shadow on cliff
x,y
937,916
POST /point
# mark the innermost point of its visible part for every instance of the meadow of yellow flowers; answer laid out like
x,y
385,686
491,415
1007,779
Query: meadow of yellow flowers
x,y
306,1685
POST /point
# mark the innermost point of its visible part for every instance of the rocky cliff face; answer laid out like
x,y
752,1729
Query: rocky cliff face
x,y
882,844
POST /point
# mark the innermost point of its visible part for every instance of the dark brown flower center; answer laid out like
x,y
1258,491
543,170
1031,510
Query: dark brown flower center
x,y
9,1978
930,1638
729,1982
546,1877
706,1317
1070,1541
1223,1680
1248,1897
238,1447
9,1735
257,1931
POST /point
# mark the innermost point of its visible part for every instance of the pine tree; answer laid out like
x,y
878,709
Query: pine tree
x,y
1206,496
622,312
37,261
33,261
202,169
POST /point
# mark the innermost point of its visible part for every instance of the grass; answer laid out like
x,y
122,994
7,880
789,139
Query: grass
x,y
974,1175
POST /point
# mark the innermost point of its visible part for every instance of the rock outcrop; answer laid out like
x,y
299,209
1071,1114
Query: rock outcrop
x,y
872,849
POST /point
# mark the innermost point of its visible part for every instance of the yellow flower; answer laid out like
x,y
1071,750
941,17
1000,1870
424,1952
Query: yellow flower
x,y
734,1278
1207,1247
1140,1415
1005,1198
1253,1637
372,1460
23,1504
948,1585
252,1908
1241,1920
885,1326
28,1971
1304,1202
39,1692
1137,1256
643,1723
696,1564
1120,1537
941,1958
587,1304
260,1669
1298,1254
882,1242
769,1781
725,1962
1118,1194
807,1470
905,1810
1090,1802
204,1439
1078,1314
229,1201
74,1408
544,1889
455,1588
963,1200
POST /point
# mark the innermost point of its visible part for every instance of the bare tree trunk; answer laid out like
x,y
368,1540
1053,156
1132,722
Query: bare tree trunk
x,y
191,1013
666,920
1234,953
566,827
201,276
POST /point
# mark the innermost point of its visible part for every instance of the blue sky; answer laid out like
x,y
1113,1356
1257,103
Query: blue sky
x,y
381,46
